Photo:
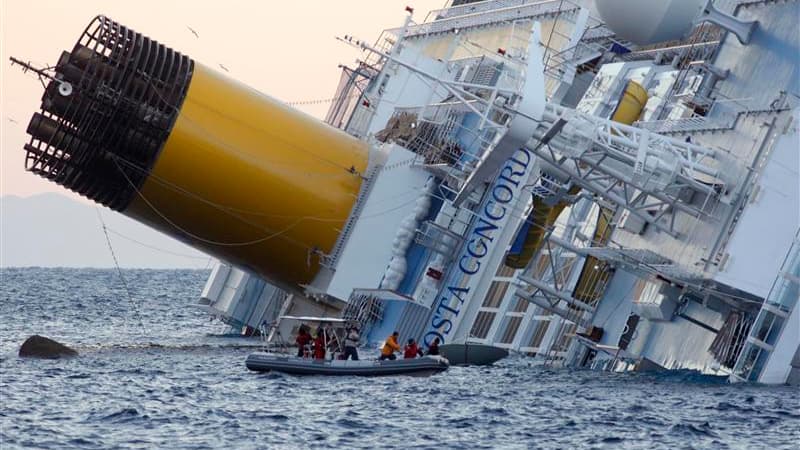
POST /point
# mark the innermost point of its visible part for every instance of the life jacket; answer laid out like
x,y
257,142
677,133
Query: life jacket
x,y
411,351
302,339
319,348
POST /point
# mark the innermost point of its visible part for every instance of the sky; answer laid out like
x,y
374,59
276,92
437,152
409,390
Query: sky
x,y
287,50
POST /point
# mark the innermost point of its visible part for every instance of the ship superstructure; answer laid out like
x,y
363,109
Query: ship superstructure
x,y
524,174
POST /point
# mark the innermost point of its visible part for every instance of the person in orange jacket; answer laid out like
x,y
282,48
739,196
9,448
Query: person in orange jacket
x,y
412,350
390,346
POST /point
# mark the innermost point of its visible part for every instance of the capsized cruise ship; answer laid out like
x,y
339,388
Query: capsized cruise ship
x,y
610,185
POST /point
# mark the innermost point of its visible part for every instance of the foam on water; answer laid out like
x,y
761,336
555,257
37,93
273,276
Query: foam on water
x,y
182,386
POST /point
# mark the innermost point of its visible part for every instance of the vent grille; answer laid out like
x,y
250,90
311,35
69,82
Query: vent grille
x,y
107,112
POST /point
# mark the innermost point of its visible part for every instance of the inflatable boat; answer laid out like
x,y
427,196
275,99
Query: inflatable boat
x,y
264,362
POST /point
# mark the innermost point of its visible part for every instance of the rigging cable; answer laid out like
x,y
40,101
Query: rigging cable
x,y
279,234
200,238
153,247
321,101
121,276
211,136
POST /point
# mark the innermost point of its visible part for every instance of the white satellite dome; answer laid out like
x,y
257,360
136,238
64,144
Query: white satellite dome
x,y
646,22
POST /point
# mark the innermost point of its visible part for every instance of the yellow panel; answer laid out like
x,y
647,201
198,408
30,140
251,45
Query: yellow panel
x,y
595,273
542,217
251,180
539,218
631,104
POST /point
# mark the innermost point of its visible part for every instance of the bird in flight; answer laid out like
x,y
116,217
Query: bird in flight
x,y
193,32
224,68
11,120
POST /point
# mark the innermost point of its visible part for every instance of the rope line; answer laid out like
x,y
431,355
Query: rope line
x,y
321,101
133,302
228,210
244,124
194,236
152,247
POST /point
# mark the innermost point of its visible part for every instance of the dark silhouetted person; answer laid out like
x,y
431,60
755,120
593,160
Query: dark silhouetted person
x,y
433,348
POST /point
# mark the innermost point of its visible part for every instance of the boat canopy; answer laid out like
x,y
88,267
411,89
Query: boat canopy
x,y
315,319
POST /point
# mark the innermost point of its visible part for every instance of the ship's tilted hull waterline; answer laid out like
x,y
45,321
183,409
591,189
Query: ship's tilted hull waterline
x,y
609,185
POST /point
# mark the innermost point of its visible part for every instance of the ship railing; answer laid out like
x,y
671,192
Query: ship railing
x,y
780,101
488,14
558,63
688,59
595,41
440,136
722,114
352,85
384,43
697,52
548,187
682,125
477,8
438,239
363,309
355,117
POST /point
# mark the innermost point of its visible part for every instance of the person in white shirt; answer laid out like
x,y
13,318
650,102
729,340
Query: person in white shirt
x,y
351,344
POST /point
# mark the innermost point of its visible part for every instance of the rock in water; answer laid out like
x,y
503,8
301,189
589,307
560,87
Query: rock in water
x,y
41,347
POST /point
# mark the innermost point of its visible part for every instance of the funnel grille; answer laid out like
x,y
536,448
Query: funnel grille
x,y
107,113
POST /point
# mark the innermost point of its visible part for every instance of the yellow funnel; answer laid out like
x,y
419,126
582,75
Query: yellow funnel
x,y
196,155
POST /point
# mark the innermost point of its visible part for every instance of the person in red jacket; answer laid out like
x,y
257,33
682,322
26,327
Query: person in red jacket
x,y
302,340
319,346
433,348
411,350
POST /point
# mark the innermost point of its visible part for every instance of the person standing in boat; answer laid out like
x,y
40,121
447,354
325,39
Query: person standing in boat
x,y
389,347
433,348
412,350
351,344
319,345
302,340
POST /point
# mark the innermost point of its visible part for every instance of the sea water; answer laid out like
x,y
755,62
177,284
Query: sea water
x,y
154,372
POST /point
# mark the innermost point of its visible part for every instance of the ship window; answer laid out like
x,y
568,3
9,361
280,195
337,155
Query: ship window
x,y
565,270
764,326
542,265
482,324
495,295
639,287
753,363
746,362
505,271
538,334
512,325
520,305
